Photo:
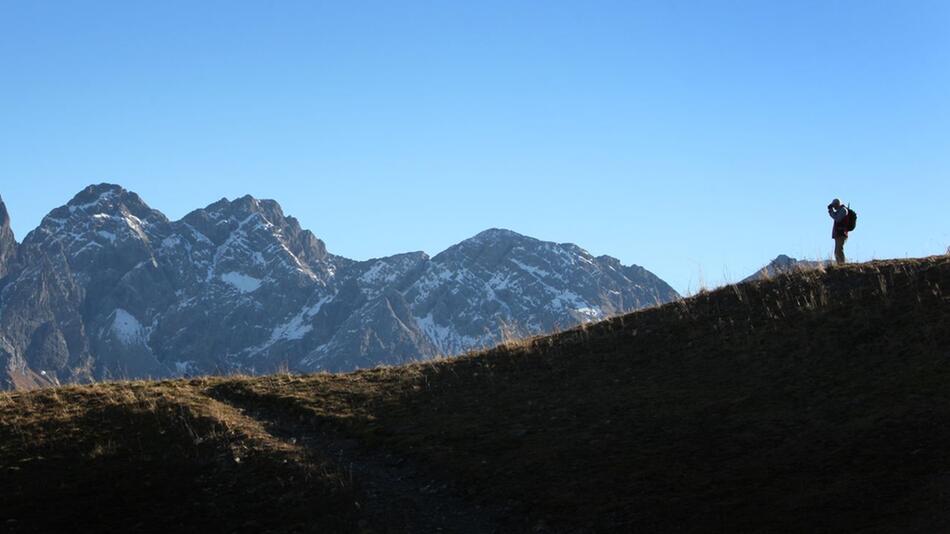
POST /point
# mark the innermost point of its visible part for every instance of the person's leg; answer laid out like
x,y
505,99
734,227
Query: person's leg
x,y
839,249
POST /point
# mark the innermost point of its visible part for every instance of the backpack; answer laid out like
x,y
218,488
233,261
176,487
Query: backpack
x,y
852,219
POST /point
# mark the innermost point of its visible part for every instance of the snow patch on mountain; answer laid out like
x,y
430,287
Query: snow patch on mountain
x,y
241,282
590,314
447,339
102,198
378,273
533,271
127,329
185,368
108,236
296,328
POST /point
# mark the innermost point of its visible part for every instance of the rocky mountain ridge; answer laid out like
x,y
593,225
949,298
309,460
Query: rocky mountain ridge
x,y
783,264
8,245
107,287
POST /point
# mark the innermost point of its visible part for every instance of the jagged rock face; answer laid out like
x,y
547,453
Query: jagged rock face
x,y
473,292
785,264
107,287
8,245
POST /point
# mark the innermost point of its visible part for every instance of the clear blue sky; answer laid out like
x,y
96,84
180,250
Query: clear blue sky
x,y
696,138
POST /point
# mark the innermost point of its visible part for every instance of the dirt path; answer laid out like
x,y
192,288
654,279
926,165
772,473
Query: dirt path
x,y
397,495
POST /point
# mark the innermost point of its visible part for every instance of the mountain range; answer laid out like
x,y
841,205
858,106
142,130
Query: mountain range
x,y
107,287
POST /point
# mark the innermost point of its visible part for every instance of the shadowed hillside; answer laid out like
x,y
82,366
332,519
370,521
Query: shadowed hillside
x,y
811,401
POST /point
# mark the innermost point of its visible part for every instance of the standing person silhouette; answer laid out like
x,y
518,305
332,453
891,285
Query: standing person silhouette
x,y
839,232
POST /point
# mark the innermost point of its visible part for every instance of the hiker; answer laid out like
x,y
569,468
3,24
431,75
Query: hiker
x,y
839,232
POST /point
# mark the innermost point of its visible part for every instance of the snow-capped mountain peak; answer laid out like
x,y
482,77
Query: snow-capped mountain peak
x,y
108,287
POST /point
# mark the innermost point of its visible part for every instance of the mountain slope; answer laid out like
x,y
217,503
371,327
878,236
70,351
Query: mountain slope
x,y
8,245
537,286
107,287
785,264
812,401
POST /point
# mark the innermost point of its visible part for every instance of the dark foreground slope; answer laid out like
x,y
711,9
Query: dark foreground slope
x,y
813,401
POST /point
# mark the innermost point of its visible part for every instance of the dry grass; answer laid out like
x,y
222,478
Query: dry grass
x,y
155,456
738,408
811,401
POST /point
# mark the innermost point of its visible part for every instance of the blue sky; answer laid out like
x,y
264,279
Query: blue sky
x,y
698,139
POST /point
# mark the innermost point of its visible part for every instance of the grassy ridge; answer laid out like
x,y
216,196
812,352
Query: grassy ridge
x,y
155,457
812,401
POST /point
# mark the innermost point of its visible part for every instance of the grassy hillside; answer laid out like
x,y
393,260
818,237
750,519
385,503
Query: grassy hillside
x,y
812,401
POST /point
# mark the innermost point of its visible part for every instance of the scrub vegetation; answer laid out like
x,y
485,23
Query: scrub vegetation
x,y
814,400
